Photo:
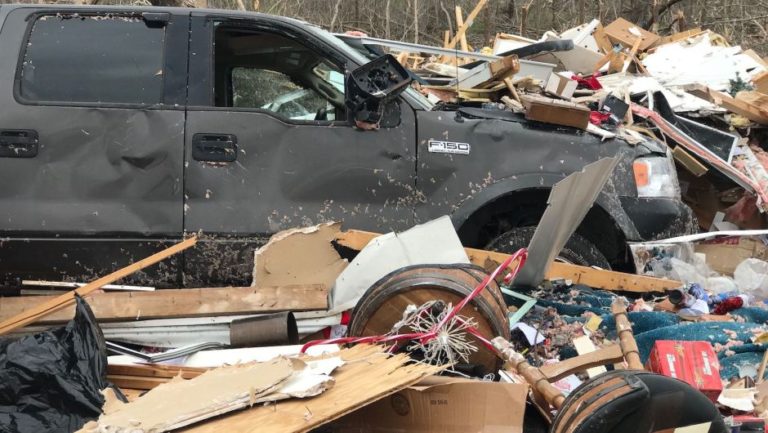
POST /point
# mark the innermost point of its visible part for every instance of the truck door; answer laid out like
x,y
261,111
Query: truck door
x,y
269,146
91,142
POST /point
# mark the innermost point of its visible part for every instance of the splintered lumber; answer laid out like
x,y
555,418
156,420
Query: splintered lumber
x,y
626,338
597,278
678,36
368,375
724,100
462,31
761,82
180,402
176,303
68,299
460,24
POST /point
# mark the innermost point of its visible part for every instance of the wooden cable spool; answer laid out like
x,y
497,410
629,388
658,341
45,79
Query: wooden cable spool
x,y
383,304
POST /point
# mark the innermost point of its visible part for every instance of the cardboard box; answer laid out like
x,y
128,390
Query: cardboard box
x,y
560,86
694,362
443,405
724,254
555,111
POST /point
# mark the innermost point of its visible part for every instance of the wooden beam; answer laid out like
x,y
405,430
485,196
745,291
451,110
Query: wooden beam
x,y
57,303
610,354
175,303
733,105
597,278
460,24
470,19
144,377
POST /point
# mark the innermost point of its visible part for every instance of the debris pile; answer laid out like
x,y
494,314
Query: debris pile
x,y
706,99
350,331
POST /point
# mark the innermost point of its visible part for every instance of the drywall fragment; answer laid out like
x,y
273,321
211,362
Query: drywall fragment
x,y
302,255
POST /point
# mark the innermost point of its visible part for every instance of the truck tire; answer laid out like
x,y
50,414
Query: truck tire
x,y
578,250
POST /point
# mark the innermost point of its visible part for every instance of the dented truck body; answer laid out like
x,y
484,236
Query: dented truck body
x,y
95,177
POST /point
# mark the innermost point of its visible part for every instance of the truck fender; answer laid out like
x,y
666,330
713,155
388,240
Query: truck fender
x,y
607,200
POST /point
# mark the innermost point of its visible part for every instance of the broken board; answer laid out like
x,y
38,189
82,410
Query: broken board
x,y
174,303
597,278
367,376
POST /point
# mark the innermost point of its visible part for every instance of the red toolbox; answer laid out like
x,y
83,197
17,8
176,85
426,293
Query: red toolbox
x,y
694,362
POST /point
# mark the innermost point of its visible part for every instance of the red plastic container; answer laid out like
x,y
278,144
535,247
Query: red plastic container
x,y
694,362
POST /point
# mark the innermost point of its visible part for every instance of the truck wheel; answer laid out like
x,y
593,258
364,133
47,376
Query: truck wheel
x,y
578,250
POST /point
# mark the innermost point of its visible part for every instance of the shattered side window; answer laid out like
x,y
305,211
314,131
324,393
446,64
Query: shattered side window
x,y
93,59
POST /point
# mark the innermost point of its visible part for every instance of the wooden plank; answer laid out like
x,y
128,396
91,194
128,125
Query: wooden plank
x,y
678,37
460,24
756,99
761,82
602,40
726,101
597,278
609,354
463,29
161,371
43,309
148,376
174,303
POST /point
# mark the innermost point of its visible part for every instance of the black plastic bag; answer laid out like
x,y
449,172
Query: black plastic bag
x,y
50,382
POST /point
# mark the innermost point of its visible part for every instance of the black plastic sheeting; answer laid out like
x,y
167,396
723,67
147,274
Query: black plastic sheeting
x,y
50,382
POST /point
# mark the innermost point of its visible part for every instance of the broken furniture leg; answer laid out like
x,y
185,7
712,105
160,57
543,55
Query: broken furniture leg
x,y
532,375
626,338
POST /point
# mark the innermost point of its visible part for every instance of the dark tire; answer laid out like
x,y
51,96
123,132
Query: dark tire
x,y
578,250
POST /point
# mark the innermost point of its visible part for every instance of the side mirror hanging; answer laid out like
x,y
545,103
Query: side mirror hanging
x,y
372,85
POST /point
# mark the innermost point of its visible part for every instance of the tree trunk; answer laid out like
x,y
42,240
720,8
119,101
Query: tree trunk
x,y
387,21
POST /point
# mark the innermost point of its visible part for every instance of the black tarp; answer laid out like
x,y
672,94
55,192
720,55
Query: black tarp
x,y
50,382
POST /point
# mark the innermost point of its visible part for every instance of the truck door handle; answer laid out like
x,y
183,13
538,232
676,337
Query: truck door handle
x,y
18,143
214,147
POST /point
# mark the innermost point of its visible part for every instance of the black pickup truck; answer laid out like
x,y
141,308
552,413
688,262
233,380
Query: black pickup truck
x,y
124,128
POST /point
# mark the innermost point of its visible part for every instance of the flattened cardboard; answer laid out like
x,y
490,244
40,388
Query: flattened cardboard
x,y
299,255
453,406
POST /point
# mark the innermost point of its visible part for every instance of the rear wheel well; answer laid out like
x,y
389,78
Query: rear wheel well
x,y
525,208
